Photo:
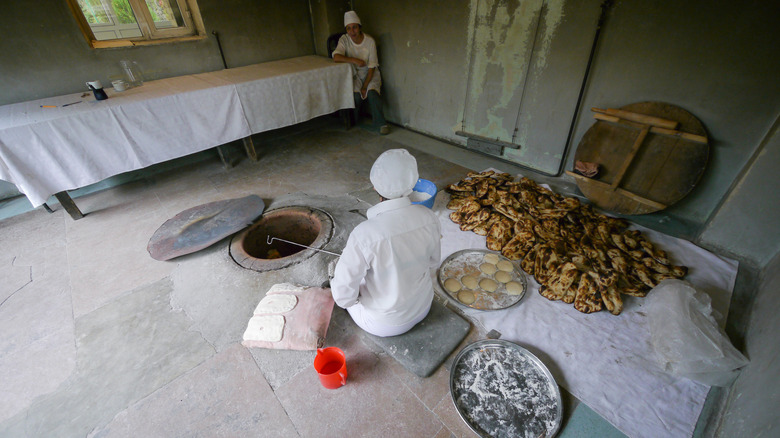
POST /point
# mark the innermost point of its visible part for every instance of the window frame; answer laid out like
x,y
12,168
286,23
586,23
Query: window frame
x,y
192,29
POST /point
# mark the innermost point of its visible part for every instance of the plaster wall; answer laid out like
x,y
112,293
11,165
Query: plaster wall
x,y
717,60
746,222
43,53
327,19
751,409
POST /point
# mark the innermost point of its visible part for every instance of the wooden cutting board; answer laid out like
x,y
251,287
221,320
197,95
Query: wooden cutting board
x,y
650,155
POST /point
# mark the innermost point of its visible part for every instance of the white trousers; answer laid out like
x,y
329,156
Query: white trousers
x,y
361,318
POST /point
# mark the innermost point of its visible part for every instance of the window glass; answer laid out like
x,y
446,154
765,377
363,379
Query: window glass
x,y
165,13
110,19
133,22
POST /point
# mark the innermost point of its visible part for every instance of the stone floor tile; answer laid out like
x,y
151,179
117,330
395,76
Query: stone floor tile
x,y
127,349
40,302
444,433
36,369
33,229
373,402
224,396
429,390
105,265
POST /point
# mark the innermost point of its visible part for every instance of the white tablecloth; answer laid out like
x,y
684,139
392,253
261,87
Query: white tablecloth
x,y
606,361
47,150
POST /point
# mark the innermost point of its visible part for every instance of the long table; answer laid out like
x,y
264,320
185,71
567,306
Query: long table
x,y
46,151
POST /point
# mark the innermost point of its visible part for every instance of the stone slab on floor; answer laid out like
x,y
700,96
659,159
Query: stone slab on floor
x,y
224,396
424,348
374,402
126,350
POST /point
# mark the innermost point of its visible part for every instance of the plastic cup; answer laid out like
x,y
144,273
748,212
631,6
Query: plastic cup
x,y
331,365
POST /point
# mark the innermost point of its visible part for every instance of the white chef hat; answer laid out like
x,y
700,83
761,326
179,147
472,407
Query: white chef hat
x,y
394,173
351,17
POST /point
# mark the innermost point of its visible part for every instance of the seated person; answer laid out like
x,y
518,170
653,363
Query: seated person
x,y
383,276
359,50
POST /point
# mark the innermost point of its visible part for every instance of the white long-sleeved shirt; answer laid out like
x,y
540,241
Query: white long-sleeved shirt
x,y
385,264
365,51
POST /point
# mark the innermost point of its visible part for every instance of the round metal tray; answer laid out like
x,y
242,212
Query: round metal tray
x,y
467,262
500,389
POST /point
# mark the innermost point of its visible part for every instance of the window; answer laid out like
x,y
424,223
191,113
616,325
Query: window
x,y
116,23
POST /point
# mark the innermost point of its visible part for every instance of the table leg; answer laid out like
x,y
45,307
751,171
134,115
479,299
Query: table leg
x,y
346,118
249,146
68,204
224,155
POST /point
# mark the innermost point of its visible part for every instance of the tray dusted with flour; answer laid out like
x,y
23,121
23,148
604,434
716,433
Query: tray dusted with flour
x,y
500,389
481,279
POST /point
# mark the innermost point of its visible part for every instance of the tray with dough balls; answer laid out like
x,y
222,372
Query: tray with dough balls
x,y
482,279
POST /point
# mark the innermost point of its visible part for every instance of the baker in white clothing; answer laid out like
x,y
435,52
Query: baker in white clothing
x,y
359,50
383,276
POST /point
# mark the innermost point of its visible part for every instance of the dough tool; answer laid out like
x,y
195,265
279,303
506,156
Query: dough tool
x,y
269,240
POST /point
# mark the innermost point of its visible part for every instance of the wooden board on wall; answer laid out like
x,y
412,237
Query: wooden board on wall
x,y
643,174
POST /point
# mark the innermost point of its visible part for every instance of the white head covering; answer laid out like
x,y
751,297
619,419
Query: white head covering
x,y
394,173
351,17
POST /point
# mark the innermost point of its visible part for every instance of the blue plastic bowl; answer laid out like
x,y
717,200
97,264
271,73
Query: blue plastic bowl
x,y
425,186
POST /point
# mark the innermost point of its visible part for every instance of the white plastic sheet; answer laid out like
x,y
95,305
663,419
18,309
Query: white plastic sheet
x,y
686,336
607,361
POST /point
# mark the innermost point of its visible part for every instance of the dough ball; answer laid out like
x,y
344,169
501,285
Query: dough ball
x,y
506,266
466,297
491,258
514,288
452,285
503,277
488,285
469,281
488,268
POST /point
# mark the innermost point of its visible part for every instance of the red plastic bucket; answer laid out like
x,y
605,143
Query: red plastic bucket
x,y
331,365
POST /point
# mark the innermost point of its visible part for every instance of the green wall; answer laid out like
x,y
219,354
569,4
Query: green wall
x,y
43,53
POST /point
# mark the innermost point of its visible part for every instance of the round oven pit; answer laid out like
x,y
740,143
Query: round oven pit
x,y
303,225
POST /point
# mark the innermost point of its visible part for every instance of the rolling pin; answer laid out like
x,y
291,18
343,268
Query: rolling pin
x,y
654,129
639,118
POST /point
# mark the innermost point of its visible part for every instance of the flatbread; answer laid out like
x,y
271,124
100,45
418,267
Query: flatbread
x,y
452,285
469,281
503,277
276,304
488,285
466,297
265,328
514,288
505,266
488,268
491,258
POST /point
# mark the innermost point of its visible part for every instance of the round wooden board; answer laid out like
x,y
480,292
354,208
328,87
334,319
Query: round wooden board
x,y
664,170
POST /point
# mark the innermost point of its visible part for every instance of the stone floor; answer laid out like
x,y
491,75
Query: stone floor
x,y
100,340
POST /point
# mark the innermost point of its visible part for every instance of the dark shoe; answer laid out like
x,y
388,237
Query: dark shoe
x,y
384,130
